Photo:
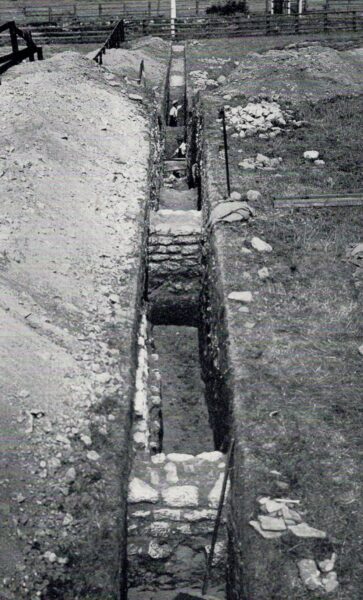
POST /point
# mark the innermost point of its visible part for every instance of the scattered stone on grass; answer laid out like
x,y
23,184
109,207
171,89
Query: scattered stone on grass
x,y
309,574
253,196
136,97
264,118
311,155
260,245
305,531
230,212
330,582
327,565
268,535
263,273
272,523
241,296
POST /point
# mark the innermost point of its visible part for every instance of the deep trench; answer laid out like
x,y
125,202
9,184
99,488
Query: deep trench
x,y
181,417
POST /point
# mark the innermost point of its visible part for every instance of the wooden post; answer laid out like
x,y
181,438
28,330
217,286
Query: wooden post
x,y
40,53
326,22
158,8
354,20
268,24
149,9
122,25
297,23
13,37
100,10
49,14
222,115
197,7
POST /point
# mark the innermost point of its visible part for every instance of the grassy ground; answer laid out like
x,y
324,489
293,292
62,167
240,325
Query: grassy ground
x,y
296,365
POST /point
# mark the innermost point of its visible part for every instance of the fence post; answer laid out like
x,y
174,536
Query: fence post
x,y
13,37
49,14
122,30
100,10
197,7
354,20
74,10
297,23
326,23
268,24
149,9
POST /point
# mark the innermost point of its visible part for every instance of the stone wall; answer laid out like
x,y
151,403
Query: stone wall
x,y
174,266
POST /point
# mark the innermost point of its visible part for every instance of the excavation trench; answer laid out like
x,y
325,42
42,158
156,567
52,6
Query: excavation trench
x,y
178,436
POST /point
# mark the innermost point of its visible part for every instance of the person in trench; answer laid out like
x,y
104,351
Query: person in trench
x,y
173,114
181,150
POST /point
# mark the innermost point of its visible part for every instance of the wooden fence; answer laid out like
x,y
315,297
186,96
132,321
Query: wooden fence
x,y
114,40
18,54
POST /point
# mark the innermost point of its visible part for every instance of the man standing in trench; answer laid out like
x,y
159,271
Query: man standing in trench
x,y
173,114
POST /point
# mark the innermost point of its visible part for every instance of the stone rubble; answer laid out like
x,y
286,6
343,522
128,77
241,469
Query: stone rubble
x,y
264,118
260,162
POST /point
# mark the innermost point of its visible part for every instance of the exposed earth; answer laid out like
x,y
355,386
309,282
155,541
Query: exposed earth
x,y
74,176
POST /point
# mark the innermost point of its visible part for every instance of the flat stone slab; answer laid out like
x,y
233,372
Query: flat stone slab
x,y
176,222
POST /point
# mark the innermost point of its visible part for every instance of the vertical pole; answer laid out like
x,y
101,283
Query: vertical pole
x,y
149,9
354,20
268,24
297,23
158,8
272,7
197,7
300,7
289,7
218,518
74,10
222,115
172,17
326,23
99,10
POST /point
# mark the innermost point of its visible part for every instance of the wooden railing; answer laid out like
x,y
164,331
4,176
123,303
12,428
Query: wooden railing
x,y
114,40
17,55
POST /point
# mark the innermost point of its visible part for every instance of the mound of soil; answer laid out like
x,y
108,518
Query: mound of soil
x,y
73,181
304,73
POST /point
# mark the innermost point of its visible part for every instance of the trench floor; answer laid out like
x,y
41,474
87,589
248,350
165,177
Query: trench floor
x,y
185,414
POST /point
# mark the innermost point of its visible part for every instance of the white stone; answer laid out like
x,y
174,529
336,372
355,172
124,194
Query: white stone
x,y
222,79
235,196
271,523
200,515
215,493
309,574
210,456
319,163
171,473
268,535
172,514
50,556
330,582
263,273
241,296
158,459
311,154
160,529
360,350
93,455
328,564
253,195
140,491
179,458
305,531
260,245
157,550
181,496
220,552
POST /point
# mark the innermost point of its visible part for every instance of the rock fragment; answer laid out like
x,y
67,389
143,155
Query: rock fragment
x,y
268,535
260,245
309,574
140,491
305,531
245,297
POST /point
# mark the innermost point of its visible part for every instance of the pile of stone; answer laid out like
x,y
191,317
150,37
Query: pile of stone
x,y
279,516
263,118
260,162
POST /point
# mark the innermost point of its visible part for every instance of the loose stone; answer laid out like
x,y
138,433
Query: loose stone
x,y
268,535
328,564
241,296
309,574
311,154
305,531
330,582
260,245
272,523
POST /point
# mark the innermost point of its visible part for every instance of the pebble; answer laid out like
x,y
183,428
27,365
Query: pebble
x,y
93,455
70,475
328,564
235,196
319,163
311,154
260,245
50,556
253,195
263,273
241,296
360,350
86,439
